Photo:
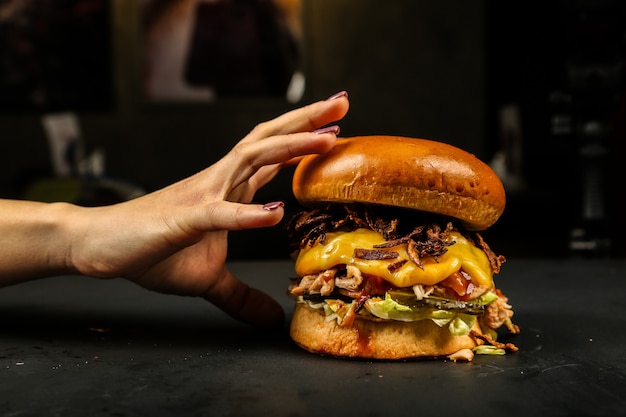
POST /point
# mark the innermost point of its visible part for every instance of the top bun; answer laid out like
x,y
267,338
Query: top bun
x,y
417,174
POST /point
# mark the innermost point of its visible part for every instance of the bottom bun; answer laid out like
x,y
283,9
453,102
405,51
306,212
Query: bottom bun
x,y
369,339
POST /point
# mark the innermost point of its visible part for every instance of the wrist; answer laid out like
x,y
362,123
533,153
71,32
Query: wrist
x,y
36,240
62,231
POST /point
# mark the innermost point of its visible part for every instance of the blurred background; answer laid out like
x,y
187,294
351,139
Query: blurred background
x,y
103,100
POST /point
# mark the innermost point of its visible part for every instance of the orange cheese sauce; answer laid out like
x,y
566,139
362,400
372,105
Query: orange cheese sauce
x,y
339,249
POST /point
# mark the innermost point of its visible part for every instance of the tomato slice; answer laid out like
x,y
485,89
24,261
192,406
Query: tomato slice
x,y
459,282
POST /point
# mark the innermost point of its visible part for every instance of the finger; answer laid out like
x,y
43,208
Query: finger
x,y
244,192
245,187
281,149
247,158
225,215
245,303
307,118
323,144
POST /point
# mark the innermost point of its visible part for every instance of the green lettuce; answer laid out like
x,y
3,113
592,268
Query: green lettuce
x,y
488,350
459,324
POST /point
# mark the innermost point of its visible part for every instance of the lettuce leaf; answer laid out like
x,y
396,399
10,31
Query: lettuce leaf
x,y
488,350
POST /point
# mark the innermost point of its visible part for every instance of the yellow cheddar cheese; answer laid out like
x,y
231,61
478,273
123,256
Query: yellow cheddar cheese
x,y
339,249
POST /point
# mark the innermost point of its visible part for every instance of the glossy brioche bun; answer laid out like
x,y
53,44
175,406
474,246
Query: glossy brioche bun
x,y
403,172
368,339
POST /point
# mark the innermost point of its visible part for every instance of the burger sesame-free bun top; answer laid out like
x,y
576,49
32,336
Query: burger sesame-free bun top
x,y
411,173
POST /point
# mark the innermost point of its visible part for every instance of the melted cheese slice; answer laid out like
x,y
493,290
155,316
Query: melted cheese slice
x,y
339,249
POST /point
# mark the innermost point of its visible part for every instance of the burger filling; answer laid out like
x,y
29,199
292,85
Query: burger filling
x,y
354,261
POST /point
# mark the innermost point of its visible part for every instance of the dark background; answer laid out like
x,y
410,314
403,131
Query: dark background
x,y
441,70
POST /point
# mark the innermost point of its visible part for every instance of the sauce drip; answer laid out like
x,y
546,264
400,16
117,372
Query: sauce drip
x,y
363,341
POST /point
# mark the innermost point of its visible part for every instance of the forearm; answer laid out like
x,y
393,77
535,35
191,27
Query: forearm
x,y
34,240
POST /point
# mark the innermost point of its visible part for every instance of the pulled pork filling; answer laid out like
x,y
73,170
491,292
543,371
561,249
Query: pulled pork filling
x,y
345,292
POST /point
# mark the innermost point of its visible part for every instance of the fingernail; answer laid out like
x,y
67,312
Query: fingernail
x,y
273,205
337,95
329,129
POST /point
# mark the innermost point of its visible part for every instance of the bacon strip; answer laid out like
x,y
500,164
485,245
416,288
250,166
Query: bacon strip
x,y
393,267
374,254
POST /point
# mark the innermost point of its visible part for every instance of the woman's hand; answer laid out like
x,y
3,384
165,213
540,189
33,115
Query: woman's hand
x,y
175,240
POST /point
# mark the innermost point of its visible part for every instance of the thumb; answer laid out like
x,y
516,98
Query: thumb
x,y
245,303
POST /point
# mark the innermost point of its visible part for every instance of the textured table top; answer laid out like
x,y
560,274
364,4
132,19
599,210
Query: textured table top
x,y
79,346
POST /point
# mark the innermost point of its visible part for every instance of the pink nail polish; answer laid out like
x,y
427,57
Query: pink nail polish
x,y
329,129
337,95
273,205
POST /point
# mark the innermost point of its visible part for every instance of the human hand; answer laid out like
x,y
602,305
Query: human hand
x,y
174,240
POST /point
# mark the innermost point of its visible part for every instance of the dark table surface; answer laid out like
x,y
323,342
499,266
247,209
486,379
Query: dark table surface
x,y
78,346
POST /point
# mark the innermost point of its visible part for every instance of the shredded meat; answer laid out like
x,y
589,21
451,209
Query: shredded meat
x,y
350,316
404,239
495,261
462,355
498,313
510,347
352,280
422,242
325,282
308,227
303,286
322,283
414,255
422,291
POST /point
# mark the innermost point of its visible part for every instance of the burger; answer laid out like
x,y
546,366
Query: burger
x,y
389,260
